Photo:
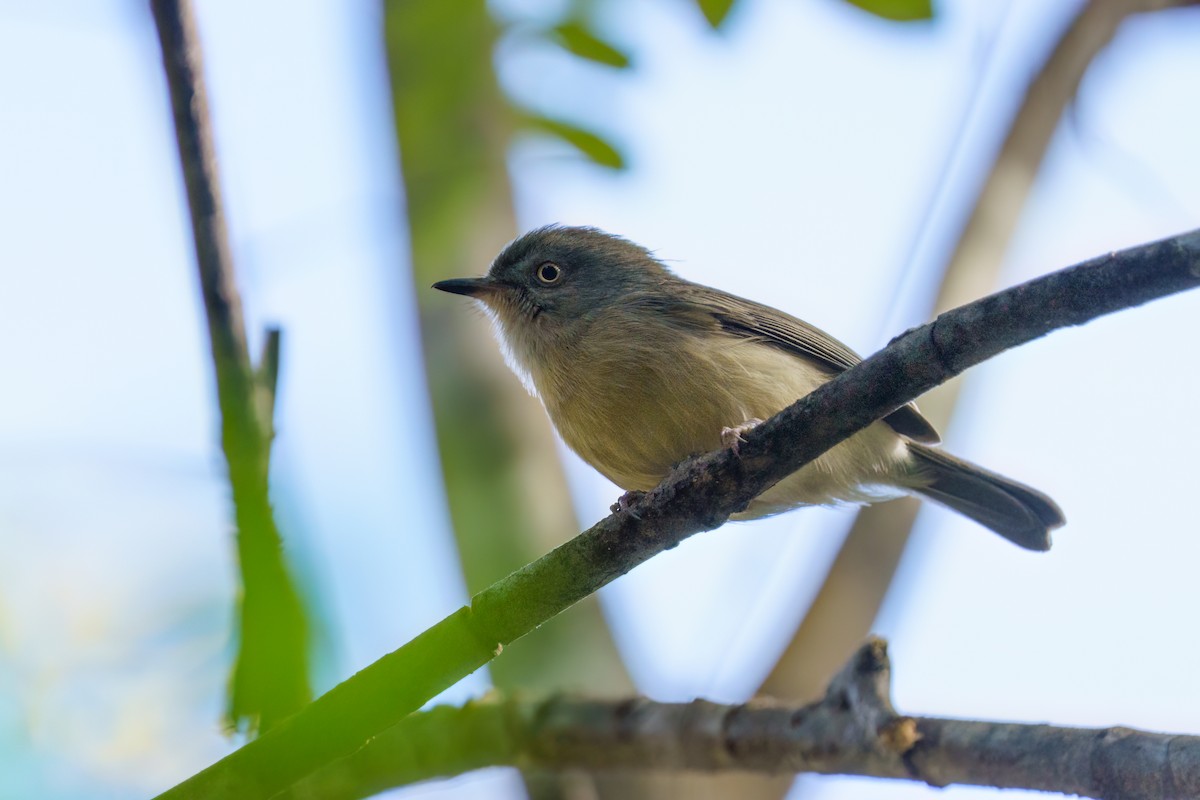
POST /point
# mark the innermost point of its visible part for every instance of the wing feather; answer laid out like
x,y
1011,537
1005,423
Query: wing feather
x,y
748,319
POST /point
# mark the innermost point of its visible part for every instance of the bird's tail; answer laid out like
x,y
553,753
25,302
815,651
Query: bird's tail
x,y
1020,514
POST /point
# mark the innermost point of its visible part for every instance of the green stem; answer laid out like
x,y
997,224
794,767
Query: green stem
x,y
698,495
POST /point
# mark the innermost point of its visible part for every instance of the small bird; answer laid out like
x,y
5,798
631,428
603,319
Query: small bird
x,y
639,369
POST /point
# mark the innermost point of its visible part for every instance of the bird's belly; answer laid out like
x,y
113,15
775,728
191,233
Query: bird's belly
x,y
636,435
869,466
635,425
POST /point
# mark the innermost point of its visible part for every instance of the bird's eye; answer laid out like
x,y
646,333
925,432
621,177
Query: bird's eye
x,y
548,273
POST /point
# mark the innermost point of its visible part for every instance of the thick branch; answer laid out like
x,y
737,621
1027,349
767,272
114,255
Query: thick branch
x,y
271,678
853,730
698,495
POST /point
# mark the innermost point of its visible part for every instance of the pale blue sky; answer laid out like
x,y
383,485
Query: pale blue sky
x,y
791,160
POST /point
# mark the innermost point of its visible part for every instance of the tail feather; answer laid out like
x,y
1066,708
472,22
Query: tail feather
x,y
1017,512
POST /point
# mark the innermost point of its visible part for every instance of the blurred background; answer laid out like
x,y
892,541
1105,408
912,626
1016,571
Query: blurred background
x,y
856,171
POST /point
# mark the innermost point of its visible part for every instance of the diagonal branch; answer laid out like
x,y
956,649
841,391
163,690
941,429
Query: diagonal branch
x,y
852,730
980,248
698,495
270,679
858,580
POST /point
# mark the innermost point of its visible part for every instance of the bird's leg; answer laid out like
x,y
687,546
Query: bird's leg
x,y
625,503
732,437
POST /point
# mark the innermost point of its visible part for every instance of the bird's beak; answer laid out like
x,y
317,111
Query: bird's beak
x,y
471,287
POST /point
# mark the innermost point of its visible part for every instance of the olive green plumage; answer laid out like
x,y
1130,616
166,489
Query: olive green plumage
x,y
639,368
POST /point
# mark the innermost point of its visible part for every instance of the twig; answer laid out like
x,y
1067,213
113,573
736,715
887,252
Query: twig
x,y
271,677
852,730
997,209
699,495
854,589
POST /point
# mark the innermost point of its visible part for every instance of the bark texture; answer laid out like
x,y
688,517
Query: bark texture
x,y
852,730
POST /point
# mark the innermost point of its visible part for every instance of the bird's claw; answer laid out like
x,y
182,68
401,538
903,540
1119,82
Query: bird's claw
x,y
732,437
625,503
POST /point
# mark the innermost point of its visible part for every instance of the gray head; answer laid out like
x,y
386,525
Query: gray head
x,y
544,289
552,278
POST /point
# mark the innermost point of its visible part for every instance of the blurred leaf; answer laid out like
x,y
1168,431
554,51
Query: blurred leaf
x,y
898,10
597,149
715,11
270,677
577,39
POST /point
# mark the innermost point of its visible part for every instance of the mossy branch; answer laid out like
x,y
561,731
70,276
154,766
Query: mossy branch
x,y
698,495
852,730
270,678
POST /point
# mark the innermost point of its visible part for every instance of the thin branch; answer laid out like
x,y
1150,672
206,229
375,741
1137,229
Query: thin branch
x,y
271,676
854,589
698,495
267,378
984,240
852,730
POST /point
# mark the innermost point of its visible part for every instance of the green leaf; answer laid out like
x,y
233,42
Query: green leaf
x,y
577,39
591,144
715,11
898,10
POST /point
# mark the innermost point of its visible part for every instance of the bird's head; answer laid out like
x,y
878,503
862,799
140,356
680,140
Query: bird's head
x,y
546,287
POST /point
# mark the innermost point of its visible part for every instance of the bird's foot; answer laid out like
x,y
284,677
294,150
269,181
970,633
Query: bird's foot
x,y
625,503
732,437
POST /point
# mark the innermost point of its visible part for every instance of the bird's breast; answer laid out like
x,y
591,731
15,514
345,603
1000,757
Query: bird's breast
x,y
633,403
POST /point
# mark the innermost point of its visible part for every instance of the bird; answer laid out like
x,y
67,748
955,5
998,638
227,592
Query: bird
x,y
639,368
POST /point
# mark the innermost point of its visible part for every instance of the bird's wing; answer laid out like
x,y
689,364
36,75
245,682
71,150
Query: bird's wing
x,y
745,318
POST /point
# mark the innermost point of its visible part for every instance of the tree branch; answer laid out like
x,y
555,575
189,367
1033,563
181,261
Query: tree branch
x,y
698,495
270,679
853,591
981,246
853,730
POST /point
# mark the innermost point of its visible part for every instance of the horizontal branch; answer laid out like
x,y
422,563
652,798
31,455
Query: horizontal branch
x,y
698,495
853,730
